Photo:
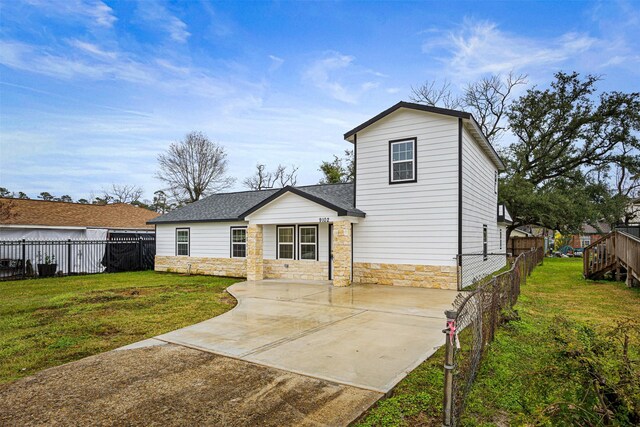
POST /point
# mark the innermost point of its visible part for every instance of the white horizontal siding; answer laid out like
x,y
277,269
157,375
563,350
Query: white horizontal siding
x,y
412,223
479,207
479,198
291,209
207,239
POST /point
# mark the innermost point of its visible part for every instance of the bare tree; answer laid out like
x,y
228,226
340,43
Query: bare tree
x,y
487,99
194,168
441,96
124,193
263,179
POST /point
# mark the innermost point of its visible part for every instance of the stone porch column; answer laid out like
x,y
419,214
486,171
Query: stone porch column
x,y
341,253
255,245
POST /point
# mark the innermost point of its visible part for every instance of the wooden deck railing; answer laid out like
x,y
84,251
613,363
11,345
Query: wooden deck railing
x,y
616,249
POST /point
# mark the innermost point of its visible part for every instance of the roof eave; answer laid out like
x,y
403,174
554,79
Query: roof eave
x,y
289,189
411,106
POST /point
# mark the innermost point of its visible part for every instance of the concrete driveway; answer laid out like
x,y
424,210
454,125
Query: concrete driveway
x,y
364,336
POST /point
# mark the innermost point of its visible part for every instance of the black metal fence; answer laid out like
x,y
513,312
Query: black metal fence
x,y
634,230
23,259
473,268
472,324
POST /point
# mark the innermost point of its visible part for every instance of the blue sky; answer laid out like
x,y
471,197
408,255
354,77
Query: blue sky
x,y
92,91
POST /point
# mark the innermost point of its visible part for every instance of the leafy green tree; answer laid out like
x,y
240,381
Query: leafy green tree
x,y
339,170
46,196
22,195
5,192
564,134
83,201
66,198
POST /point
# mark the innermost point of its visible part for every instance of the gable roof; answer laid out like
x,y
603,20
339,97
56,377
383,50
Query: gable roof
x,y
236,206
468,117
61,214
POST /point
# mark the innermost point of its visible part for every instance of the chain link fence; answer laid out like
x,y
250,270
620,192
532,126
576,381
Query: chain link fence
x,y
472,324
475,268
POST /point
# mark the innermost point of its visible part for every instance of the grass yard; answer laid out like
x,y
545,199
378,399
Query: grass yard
x,y
563,362
48,322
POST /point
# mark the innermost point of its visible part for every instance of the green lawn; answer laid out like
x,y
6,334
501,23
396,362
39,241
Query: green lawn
x,y
545,367
47,322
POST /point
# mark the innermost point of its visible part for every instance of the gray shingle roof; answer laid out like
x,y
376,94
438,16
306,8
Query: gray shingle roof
x,y
235,206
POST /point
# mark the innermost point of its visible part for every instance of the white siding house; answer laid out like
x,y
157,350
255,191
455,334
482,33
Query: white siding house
x,y
423,202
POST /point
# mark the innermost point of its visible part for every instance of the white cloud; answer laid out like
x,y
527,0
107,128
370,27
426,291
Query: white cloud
x,y
92,49
94,12
156,13
276,62
336,75
479,48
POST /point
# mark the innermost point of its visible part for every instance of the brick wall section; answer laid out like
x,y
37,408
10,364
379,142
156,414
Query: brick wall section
x,y
229,267
341,253
255,247
297,269
419,276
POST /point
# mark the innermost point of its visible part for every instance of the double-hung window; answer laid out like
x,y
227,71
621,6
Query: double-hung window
x,y
182,241
308,238
286,246
402,160
238,242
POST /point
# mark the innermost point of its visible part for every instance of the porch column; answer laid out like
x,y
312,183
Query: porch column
x,y
255,266
341,253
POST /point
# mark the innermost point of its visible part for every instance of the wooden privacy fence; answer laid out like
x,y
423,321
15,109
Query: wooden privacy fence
x,y
614,252
520,245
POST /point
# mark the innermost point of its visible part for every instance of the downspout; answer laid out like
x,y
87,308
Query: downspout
x,y
459,191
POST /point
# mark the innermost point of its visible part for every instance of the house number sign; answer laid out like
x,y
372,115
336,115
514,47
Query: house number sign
x,y
323,219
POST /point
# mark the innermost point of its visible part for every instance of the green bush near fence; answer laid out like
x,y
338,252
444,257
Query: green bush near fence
x,y
547,366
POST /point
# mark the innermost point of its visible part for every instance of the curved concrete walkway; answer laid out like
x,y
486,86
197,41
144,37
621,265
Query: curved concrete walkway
x,y
364,336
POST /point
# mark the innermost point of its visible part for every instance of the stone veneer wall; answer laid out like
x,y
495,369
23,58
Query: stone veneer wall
x,y
420,276
255,249
229,267
341,253
297,269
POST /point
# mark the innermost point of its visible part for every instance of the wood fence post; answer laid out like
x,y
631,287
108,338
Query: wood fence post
x,y
449,367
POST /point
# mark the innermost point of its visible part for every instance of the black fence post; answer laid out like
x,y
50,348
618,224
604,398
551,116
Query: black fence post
x,y
68,257
140,263
24,259
108,256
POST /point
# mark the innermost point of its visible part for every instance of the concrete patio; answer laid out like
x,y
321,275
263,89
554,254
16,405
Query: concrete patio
x,y
364,336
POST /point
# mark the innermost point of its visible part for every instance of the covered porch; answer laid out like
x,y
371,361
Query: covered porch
x,y
294,237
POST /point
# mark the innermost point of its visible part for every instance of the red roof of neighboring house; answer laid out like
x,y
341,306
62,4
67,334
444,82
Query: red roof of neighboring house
x,y
40,212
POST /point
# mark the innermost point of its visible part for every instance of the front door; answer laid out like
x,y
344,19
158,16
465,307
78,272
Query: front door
x,y
330,251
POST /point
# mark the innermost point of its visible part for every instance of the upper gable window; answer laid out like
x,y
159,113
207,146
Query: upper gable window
x,y
402,160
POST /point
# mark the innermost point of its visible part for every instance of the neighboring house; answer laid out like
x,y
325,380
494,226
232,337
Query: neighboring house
x,y
425,190
42,223
45,220
589,234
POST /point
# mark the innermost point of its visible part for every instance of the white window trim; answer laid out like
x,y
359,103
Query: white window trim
x,y
293,244
300,243
238,243
393,162
187,243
